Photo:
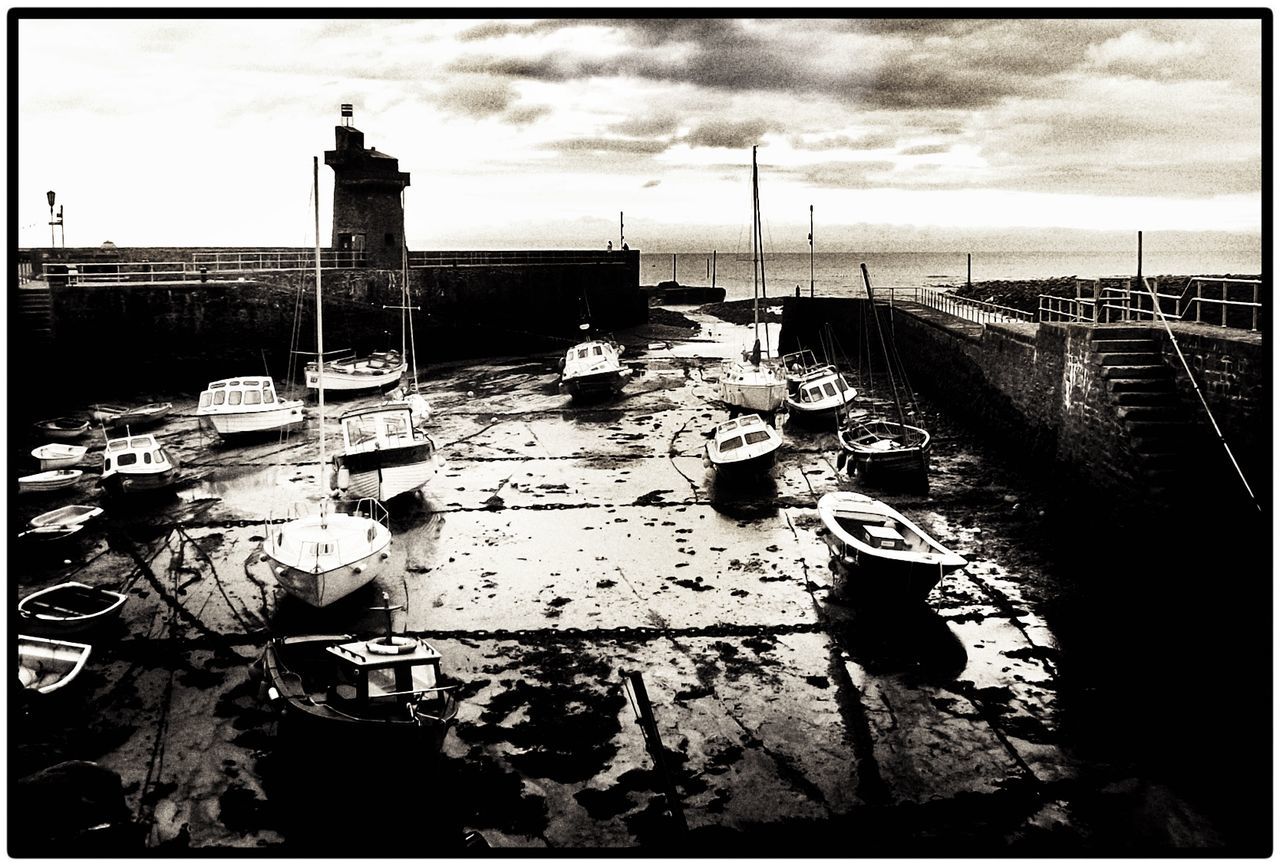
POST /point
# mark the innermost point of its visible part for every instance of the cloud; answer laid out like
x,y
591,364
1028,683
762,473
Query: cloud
x,y
479,97
526,114
843,175
650,184
924,149
609,145
870,141
648,124
729,133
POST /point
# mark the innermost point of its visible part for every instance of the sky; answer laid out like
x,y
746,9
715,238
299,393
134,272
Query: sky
x,y
903,134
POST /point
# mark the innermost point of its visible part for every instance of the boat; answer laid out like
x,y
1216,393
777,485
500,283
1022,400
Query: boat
x,y
69,607
245,406
883,451
385,449
753,383
46,665
65,427
45,482
818,394
593,368
114,416
384,693
67,515
743,445
350,373
137,464
319,555
59,455
880,553
57,532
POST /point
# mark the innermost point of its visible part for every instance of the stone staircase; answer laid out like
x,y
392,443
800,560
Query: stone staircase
x,y
35,314
1172,443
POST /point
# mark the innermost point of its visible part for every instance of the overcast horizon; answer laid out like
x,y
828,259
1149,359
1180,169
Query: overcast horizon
x,y
903,134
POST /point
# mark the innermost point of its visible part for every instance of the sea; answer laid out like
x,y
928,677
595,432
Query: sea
x,y
839,274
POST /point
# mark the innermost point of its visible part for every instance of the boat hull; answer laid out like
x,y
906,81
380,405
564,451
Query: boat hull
x,y
876,452
232,424
69,608
62,428
58,456
862,577
140,483
47,482
388,472
358,551
601,384
753,396
46,665
348,381
755,465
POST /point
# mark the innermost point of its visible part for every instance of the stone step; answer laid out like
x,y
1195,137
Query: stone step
x,y
1145,346
1170,412
1144,386
1124,332
1129,359
1163,397
1144,371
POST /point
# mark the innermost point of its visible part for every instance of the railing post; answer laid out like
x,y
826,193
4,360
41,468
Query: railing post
x,y
1198,303
1224,303
1254,326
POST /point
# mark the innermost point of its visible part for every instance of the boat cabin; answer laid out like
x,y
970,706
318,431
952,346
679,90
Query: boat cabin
x,y
387,425
368,676
828,386
798,363
233,394
738,432
135,453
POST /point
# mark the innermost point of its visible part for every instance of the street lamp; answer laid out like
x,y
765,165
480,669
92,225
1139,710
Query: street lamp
x,y
54,222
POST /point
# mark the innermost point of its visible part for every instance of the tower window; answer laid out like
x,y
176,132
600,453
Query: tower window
x,y
390,239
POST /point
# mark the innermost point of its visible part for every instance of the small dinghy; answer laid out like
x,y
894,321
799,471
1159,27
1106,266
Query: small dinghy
x,y
59,455
69,607
46,665
62,428
743,445
44,482
50,533
67,515
879,552
881,450
113,416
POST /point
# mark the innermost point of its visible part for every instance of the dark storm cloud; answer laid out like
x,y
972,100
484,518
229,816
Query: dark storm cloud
x,y
730,133
478,97
609,145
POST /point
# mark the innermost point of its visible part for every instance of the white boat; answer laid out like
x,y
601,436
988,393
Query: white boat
x,y
65,427
57,532
45,482
67,515
376,370
593,368
754,383
244,406
69,607
137,464
59,455
318,555
879,552
46,665
819,394
384,453
743,445
113,416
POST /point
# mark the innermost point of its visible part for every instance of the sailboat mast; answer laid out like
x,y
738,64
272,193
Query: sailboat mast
x,y
404,279
888,363
315,181
811,251
755,261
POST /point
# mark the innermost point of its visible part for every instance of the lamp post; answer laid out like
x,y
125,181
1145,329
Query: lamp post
x,y
53,238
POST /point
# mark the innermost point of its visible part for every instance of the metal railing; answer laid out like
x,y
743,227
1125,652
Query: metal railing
x,y
206,265
277,260
1114,299
968,308
508,258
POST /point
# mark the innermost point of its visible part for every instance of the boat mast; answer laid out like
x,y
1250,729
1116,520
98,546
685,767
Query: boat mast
x,y
811,251
888,363
315,180
755,186
755,261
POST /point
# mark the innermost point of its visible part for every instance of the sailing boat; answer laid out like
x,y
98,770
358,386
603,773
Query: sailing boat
x,y
384,450
323,556
753,384
882,451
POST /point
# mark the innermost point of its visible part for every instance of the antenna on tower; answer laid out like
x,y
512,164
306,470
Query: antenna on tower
x,y
346,113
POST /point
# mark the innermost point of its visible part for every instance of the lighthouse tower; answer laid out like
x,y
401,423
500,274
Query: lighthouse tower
x,y
368,216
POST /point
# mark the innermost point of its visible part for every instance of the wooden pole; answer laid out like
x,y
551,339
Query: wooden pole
x,y
673,267
811,251
621,236
968,279
713,269
653,742
1139,260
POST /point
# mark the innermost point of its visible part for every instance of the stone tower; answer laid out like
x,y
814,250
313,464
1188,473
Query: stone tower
x,y
368,216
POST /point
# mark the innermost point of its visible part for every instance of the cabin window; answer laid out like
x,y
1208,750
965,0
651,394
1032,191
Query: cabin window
x,y
596,350
234,397
830,388
395,428
360,430
253,398
844,386
204,399
107,464
731,444
755,436
234,382
128,459
219,398
266,396
146,458
161,456
582,353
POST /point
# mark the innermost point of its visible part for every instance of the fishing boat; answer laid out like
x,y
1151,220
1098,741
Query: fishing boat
x,y
69,607
245,406
879,552
65,427
67,515
137,464
384,453
319,555
883,451
743,445
46,665
114,416
351,373
593,368
59,455
46,482
384,693
753,383
819,394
